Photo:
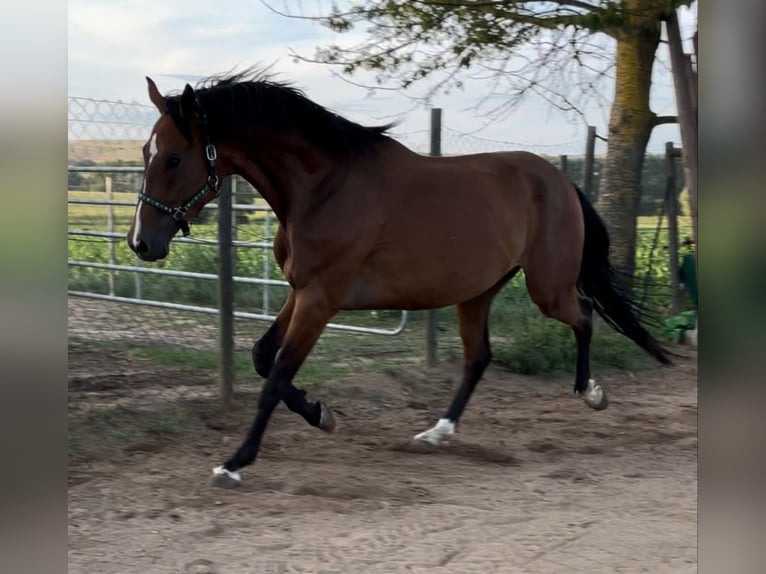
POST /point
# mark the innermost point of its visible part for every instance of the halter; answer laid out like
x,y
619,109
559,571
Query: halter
x,y
179,213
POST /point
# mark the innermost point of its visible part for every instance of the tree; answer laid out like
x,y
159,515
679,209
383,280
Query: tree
x,y
560,50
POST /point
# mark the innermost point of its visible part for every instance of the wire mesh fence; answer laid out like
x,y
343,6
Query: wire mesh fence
x,y
106,131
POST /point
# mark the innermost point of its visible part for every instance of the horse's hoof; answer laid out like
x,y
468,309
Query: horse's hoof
x,y
223,478
439,435
326,418
595,396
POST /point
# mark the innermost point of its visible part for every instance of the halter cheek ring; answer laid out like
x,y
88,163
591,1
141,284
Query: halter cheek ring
x,y
211,185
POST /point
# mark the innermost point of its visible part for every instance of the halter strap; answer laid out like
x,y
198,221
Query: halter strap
x,y
212,184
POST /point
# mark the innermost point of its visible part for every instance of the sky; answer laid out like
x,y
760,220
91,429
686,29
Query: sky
x,y
113,45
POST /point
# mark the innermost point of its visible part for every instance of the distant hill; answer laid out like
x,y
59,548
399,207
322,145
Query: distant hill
x,y
105,151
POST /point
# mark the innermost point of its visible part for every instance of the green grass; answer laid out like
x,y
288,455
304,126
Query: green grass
x,y
122,424
650,222
169,423
312,372
119,427
167,355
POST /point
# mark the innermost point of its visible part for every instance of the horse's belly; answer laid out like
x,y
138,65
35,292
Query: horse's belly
x,y
425,279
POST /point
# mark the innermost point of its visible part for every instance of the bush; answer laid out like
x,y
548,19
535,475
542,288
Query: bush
x,y
540,345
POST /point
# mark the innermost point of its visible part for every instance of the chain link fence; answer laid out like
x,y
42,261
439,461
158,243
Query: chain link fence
x,y
106,131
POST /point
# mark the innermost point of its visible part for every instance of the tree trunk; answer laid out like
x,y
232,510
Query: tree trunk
x,y
630,125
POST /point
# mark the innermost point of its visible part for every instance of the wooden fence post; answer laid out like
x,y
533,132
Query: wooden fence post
x,y
226,293
436,150
587,169
110,229
671,197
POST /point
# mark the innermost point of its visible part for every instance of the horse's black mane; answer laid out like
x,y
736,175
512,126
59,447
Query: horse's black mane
x,y
252,98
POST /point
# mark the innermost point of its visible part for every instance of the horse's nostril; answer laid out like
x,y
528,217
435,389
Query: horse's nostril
x,y
141,247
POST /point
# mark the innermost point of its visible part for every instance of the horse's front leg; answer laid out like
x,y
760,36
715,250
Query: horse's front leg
x,y
265,349
310,315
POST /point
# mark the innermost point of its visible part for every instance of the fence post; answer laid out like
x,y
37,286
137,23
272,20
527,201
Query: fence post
x,y
110,229
266,263
234,226
226,293
563,160
436,150
587,170
671,197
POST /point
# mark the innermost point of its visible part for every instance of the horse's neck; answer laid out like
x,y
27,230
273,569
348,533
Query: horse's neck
x,y
283,169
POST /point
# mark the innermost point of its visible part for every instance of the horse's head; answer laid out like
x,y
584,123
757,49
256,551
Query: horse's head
x,y
180,174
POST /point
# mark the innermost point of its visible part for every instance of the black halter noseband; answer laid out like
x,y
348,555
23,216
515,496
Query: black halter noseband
x,y
212,184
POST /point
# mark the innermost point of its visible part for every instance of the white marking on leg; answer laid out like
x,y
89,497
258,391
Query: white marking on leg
x,y
221,471
137,217
595,396
439,433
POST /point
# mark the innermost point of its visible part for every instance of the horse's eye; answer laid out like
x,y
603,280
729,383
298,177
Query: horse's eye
x,y
172,162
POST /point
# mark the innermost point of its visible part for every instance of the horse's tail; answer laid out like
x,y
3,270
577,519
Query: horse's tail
x,y
599,281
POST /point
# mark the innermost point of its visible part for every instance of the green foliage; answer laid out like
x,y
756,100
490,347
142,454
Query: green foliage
x,y
527,342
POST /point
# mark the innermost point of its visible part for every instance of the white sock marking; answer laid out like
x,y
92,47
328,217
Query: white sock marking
x,y
595,396
439,433
221,471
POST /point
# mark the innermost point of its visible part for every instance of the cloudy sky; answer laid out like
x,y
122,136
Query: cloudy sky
x,y
113,45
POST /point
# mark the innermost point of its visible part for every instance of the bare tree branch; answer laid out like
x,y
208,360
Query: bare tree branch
x,y
546,48
661,120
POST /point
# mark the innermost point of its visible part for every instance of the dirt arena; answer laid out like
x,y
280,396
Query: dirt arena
x,y
534,480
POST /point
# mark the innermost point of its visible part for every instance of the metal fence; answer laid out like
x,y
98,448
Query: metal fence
x,y
225,248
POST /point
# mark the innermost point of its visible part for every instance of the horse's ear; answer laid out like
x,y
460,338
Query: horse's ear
x,y
188,104
155,96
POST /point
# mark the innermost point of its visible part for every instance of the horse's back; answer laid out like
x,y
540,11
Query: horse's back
x,y
455,226
516,190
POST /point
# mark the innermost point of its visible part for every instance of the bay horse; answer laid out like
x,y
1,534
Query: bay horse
x,y
365,223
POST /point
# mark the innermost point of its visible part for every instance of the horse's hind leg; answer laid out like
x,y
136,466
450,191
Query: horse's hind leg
x,y
473,319
593,394
265,349
577,311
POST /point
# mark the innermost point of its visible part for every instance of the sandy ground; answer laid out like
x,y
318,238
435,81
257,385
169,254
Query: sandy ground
x,y
534,481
